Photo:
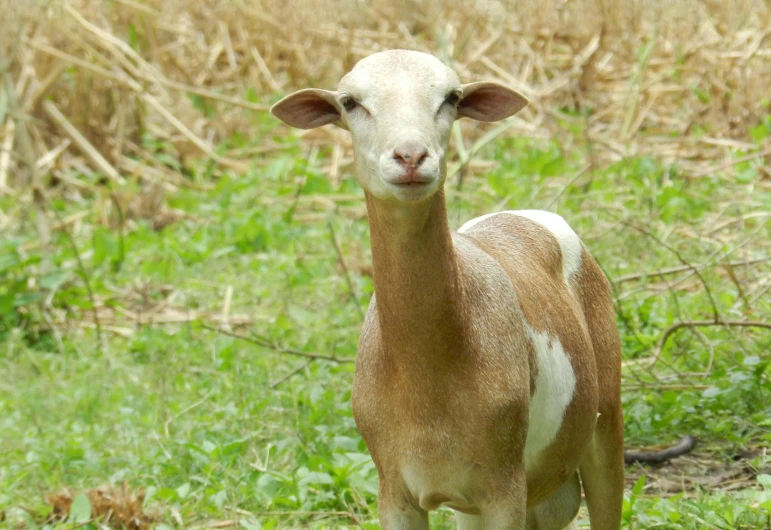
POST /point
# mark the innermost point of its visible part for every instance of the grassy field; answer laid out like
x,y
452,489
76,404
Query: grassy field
x,y
188,328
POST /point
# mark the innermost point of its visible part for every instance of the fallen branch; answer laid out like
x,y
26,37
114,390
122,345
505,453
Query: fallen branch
x,y
727,165
683,268
655,387
703,324
289,351
686,445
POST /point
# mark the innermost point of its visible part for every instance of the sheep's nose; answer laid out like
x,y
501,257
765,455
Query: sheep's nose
x,y
410,155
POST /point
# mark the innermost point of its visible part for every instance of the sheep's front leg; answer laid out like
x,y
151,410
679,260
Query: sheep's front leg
x,y
512,516
506,511
396,512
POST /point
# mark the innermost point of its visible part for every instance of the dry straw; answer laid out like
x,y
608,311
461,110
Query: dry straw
x,y
83,82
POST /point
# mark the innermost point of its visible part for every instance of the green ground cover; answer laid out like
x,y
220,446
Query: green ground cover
x,y
218,428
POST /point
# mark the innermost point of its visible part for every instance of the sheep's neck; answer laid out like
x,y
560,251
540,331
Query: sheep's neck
x,y
417,282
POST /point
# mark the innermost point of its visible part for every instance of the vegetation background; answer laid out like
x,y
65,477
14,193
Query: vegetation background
x,y
182,278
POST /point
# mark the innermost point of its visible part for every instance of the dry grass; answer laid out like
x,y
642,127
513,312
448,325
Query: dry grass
x,y
692,75
118,507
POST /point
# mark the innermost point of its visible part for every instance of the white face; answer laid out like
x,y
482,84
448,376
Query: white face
x,y
399,107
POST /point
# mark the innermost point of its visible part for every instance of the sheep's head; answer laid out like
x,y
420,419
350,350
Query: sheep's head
x,y
399,106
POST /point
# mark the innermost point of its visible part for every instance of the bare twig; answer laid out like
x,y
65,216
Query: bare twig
x,y
306,514
662,387
740,219
41,198
566,186
683,268
703,323
483,141
290,374
289,351
707,290
753,156
185,411
351,291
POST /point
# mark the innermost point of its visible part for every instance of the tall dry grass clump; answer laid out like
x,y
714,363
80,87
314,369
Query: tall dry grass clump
x,y
84,81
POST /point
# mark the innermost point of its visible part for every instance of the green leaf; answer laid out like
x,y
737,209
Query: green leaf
x,y
23,299
711,392
764,480
105,246
8,260
166,493
317,477
6,304
208,446
133,37
80,511
760,132
639,486
219,498
54,279
183,490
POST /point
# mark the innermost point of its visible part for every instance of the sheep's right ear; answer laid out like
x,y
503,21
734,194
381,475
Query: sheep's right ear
x,y
308,108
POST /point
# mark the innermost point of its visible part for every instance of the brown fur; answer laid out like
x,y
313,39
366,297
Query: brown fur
x,y
447,365
533,261
445,370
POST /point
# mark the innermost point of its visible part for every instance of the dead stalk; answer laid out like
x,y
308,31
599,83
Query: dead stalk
x,y
702,323
346,274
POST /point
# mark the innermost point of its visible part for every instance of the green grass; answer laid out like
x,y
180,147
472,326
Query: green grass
x,y
218,428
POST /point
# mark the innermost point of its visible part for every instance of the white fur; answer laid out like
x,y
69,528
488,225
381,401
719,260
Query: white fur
x,y
554,388
399,97
570,244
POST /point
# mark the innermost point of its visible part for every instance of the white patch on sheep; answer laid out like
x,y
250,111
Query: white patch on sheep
x,y
554,389
569,242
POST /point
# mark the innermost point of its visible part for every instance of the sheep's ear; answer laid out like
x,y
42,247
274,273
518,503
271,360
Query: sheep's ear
x,y
308,108
487,101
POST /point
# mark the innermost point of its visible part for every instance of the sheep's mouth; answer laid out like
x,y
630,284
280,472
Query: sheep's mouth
x,y
410,179
413,184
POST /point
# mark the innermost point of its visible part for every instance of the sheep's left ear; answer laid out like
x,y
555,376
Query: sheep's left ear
x,y
308,108
488,101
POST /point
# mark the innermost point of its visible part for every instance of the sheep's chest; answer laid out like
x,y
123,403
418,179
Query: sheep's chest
x,y
447,474
447,451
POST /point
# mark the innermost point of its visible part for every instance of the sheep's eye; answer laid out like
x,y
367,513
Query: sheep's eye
x,y
452,99
348,103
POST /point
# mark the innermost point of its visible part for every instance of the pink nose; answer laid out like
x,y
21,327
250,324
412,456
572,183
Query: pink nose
x,y
410,155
